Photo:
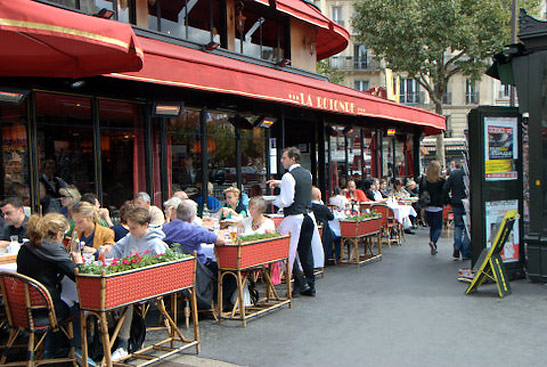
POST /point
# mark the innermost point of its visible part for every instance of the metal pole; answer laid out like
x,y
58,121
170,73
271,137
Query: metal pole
x,y
514,9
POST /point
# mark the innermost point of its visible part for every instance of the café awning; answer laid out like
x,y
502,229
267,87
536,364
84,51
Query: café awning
x,y
331,37
179,66
45,41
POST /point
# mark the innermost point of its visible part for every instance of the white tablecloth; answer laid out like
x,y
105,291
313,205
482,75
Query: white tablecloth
x,y
335,223
402,213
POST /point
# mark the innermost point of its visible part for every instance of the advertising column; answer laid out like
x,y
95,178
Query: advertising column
x,y
496,181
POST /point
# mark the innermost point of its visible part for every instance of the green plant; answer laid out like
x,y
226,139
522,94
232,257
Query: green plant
x,y
256,237
136,261
364,216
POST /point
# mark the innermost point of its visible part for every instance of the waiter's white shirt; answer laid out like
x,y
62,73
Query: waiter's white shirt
x,y
293,223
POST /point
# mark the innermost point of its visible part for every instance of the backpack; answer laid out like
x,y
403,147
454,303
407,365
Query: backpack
x,y
425,197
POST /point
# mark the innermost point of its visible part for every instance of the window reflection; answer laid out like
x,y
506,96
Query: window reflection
x,y
122,151
253,161
14,162
221,153
183,152
65,142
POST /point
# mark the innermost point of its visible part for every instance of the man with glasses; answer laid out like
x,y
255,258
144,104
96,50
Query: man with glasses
x,y
16,221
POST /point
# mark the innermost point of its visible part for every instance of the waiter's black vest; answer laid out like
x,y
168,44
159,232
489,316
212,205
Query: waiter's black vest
x,y
302,192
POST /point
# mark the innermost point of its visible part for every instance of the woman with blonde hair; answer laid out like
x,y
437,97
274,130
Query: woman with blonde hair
x,y
233,207
86,219
69,196
46,259
432,199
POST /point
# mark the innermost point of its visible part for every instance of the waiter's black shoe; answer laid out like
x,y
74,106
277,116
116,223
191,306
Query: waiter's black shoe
x,y
310,292
298,290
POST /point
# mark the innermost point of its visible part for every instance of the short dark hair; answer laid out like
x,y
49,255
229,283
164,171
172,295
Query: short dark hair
x,y
89,197
15,201
293,152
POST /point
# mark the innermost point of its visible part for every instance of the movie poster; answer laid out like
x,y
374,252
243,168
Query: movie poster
x,y
495,211
500,148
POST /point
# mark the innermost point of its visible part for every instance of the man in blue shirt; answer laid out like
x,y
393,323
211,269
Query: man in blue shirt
x,y
190,236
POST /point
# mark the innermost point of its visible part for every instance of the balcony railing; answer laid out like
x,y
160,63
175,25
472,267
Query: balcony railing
x,y
353,63
413,98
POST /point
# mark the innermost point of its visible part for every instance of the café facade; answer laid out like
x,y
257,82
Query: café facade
x,y
122,96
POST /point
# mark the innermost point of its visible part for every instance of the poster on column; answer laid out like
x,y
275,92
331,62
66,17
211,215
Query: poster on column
x,y
500,148
495,211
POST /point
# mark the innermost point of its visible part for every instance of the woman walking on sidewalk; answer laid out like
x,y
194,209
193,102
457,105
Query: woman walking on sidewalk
x,y
432,198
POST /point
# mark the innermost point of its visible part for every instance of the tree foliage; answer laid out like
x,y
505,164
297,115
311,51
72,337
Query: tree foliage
x,y
333,73
431,41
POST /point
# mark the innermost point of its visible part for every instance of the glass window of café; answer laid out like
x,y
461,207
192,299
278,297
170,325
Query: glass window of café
x,y
259,35
89,6
14,165
184,152
253,161
122,151
65,142
221,155
196,21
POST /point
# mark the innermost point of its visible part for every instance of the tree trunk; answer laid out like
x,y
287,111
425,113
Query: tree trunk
x,y
439,148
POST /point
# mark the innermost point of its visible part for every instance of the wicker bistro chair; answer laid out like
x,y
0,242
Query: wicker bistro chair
x,y
391,229
29,308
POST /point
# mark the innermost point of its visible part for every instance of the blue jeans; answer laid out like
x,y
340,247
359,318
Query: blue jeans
x,y
461,240
435,221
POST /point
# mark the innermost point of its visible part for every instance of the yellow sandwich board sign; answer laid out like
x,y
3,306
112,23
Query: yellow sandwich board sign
x,y
490,264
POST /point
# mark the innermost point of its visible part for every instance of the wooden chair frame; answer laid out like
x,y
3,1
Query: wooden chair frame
x,y
392,230
36,298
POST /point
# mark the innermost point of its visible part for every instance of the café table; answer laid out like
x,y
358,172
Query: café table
x,y
240,260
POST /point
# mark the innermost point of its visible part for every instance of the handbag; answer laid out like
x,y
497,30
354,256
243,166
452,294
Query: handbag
x,y
425,197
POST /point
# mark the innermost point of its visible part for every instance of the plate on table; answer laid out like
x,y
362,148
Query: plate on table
x,y
269,197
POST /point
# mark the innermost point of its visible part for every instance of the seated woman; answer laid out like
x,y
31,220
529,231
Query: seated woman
x,y
86,219
233,208
257,223
46,259
69,197
398,191
121,229
339,199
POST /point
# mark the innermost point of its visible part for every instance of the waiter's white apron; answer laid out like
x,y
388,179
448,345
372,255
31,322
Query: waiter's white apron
x,y
292,225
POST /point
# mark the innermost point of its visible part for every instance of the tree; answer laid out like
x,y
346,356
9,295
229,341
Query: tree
x,y
333,73
431,41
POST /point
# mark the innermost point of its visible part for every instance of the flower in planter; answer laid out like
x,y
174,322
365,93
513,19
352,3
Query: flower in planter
x,y
136,261
371,215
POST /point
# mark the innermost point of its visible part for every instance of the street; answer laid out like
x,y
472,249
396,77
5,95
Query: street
x,y
407,310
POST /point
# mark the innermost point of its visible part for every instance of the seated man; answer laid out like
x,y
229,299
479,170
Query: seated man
x,y
15,221
354,194
323,215
190,236
142,200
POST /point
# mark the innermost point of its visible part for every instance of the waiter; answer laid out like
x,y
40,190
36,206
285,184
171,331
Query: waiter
x,y
295,200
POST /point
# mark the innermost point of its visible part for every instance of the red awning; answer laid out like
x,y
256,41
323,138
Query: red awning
x,y
189,68
43,40
331,38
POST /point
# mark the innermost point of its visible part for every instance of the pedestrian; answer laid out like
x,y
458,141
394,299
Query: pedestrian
x,y
455,185
295,200
432,199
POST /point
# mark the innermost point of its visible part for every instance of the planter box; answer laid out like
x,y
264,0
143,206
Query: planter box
x,y
250,254
101,293
352,228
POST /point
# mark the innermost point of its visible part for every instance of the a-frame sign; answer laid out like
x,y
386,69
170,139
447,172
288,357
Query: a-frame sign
x,y
490,264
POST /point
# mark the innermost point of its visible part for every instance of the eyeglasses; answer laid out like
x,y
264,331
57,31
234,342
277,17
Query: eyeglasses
x,y
65,196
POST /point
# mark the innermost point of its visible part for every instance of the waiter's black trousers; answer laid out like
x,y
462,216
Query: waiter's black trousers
x,y
305,255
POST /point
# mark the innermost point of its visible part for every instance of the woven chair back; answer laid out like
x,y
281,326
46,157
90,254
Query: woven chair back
x,y
23,298
386,211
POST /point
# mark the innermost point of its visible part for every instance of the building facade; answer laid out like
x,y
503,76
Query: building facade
x,y
166,95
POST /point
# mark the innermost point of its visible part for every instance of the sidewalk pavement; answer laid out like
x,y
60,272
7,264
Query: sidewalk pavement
x,y
406,310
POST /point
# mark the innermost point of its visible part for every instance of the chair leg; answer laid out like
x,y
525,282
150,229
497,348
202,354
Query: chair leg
x,y
30,350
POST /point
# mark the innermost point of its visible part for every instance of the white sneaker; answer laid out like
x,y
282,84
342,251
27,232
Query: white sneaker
x,y
118,354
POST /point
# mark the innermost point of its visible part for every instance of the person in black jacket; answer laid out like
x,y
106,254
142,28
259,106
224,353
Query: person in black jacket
x,y
433,186
322,215
46,260
455,185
